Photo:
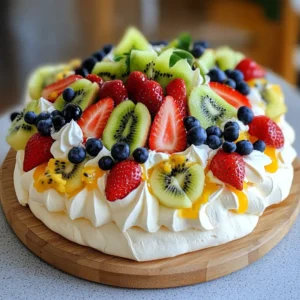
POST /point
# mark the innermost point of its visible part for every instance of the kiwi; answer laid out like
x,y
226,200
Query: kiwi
x,y
110,70
180,187
86,94
227,58
132,39
143,61
20,132
208,107
206,61
128,123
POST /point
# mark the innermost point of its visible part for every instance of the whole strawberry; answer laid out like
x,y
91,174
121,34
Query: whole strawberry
x,y
250,69
37,151
177,89
114,89
267,130
229,168
134,83
122,179
95,78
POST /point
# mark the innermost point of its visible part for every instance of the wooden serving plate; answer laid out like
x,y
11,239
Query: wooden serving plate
x,y
182,270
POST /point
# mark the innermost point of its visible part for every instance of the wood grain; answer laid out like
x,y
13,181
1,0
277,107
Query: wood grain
x,y
191,268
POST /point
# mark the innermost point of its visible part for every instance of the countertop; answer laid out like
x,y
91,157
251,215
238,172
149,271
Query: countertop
x,y
275,276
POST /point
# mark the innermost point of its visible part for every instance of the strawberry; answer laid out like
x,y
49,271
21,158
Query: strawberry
x,y
95,78
52,91
267,130
177,89
134,83
114,89
250,69
229,168
122,179
230,95
167,132
37,151
94,118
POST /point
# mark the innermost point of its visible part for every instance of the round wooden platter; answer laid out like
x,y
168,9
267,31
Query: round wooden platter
x,y
183,270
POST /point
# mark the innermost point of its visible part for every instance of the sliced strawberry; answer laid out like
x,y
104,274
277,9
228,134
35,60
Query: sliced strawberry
x,y
114,89
94,118
37,151
95,78
52,91
267,130
177,89
134,83
230,95
250,69
229,168
122,179
167,133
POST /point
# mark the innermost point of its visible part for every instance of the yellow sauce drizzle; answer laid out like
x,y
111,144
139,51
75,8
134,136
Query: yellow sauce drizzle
x,y
90,176
39,171
273,166
242,197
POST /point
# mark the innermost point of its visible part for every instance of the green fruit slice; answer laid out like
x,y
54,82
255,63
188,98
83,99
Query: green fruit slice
x,y
128,123
227,58
206,61
208,107
86,94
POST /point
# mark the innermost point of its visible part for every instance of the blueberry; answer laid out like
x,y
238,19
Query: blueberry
x,y
140,155
106,163
235,75
93,146
68,94
30,117
99,55
44,127
107,48
76,155
245,115
120,151
89,63
244,147
196,136
159,43
231,134
259,145
214,130
230,83
55,113
58,122
72,112
82,71
229,147
198,51
216,75
13,116
243,88
231,123
203,44
213,142
190,122
42,116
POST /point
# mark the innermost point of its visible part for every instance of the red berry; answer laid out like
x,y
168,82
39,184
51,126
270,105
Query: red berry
x,y
95,78
94,118
250,69
123,178
267,130
167,132
114,89
229,168
134,83
177,89
37,151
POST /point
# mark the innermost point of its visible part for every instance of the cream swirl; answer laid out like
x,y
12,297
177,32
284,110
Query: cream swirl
x,y
45,105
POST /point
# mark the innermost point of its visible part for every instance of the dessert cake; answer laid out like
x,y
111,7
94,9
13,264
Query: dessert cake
x,y
151,150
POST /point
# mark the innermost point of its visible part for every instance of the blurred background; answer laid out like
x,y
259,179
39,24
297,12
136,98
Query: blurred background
x,y
35,32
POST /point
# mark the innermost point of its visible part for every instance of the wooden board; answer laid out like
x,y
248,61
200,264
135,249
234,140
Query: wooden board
x,y
186,269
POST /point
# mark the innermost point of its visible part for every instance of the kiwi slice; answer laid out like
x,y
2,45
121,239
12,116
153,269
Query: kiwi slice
x,y
143,61
180,187
86,94
132,39
208,107
206,61
110,70
20,132
227,58
128,123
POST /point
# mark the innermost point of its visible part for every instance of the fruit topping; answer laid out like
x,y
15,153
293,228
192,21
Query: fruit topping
x,y
167,133
95,78
120,151
177,89
143,61
30,117
244,147
214,130
114,89
235,75
90,176
106,163
226,58
214,142
58,122
245,115
273,166
250,69
196,136
203,44
93,146
89,63
107,48
231,133
68,94
229,82
229,168
232,123
140,155
37,151
13,116
259,145
94,118
76,155
243,88
122,179
44,127
177,183
72,112
229,147
216,75
83,72
190,122
134,83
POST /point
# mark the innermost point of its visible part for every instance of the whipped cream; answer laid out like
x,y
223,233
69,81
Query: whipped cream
x,y
45,105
